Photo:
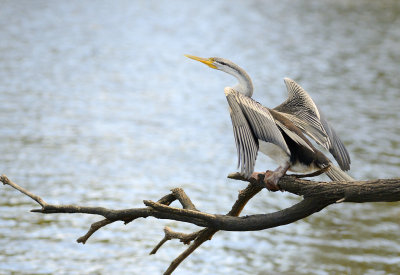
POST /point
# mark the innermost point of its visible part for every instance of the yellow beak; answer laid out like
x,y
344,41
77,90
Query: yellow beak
x,y
208,61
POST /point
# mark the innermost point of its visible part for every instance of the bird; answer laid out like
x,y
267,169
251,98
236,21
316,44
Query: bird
x,y
280,132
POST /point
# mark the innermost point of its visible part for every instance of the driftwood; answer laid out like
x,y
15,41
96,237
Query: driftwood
x,y
317,195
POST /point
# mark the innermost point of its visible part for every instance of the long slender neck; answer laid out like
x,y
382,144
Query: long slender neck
x,y
245,86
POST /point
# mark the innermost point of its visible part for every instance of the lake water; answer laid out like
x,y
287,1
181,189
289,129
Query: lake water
x,y
100,107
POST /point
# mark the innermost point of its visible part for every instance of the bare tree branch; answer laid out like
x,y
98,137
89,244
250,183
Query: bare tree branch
x,y
7,181
206,234
317,195
170,234
93,228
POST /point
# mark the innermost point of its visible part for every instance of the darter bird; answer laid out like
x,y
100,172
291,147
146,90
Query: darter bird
x,y
280,132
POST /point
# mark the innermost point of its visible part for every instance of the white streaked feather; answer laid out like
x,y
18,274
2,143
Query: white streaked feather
x,y
300,105
246,143
252,122
260,120
303,112
293,135
314,133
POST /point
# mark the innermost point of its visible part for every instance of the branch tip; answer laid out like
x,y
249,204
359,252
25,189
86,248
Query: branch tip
x,y
148,203
93,228
37,210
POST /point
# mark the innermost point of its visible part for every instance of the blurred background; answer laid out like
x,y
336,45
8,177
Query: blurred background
x,y
99,107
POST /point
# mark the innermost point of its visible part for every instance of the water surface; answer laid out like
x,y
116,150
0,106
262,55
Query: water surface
x,y
100,107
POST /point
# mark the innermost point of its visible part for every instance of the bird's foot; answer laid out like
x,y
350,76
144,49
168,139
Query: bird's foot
x,y
256,175
271,180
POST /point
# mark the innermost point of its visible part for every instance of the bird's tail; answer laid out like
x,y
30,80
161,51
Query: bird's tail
x,y
337,174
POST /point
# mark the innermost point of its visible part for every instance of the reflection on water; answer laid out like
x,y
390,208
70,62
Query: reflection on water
x,y
100,107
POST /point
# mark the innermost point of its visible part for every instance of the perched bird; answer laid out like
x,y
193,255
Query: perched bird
x,y
279,132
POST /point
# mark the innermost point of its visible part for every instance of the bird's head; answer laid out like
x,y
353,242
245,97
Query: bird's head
x,y
214,62
244,86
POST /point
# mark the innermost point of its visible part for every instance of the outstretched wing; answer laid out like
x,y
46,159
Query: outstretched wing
x,y
302,111
251,122
246,142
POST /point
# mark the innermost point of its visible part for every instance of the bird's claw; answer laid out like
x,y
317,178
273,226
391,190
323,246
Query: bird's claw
x,y
271,181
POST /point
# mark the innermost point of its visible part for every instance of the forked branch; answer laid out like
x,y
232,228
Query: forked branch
x,y
317,195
